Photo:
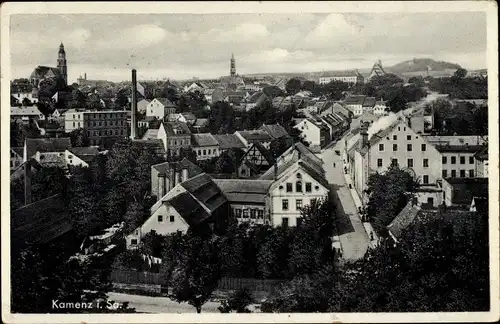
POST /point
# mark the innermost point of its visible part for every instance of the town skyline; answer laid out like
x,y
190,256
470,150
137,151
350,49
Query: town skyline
x,y
282,43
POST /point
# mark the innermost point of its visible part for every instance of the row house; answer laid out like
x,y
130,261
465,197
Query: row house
x,y
314,131
159,108
176,136
337,123
205,145
196,203
213,95
360,104
275,131
353,77
458,161
228,142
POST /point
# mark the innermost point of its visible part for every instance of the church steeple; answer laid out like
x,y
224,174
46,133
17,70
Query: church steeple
x,y
233,66
61,63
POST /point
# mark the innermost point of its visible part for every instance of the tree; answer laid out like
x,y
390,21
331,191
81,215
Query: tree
x,y
78,100
334,89
94,102
121,99
278,146
273,255
79,138
153,243
460,73
293,86
388,193
238,302
27,102
309,85
197,272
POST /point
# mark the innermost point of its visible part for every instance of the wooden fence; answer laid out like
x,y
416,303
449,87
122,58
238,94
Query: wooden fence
x,y
225,283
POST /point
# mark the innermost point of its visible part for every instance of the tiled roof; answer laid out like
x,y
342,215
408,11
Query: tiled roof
x,y
163,168
165,102
189,116
200,122
25,111
228,141
340,74
369,102
355,100
255,136
43,70
464,189
41,145
206,191
274,130
53,160
404,219
41,221
204,139
170,126
314,174
189,209
244,191
85,153
150,134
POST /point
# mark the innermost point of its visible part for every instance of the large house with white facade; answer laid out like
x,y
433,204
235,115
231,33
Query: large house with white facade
x,y
159,108
353,77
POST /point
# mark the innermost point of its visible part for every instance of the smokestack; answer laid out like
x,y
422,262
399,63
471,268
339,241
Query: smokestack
x,y
133,110
85,76
184,174
27,183
364,136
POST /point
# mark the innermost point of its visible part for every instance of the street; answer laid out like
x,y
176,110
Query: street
x,y
350,229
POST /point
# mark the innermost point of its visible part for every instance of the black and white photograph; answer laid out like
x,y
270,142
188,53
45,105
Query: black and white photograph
x,y
249,162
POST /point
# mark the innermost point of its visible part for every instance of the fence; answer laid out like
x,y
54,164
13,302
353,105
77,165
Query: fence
x,y
225,283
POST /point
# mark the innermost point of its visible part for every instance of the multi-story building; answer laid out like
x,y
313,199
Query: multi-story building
x,y
205,146
26,114
165,176
298,178
249,199
353,77
315,131
73,119
481,159
397,144
229,142
360,104
252,136
105,126
458,160
159,108
176,136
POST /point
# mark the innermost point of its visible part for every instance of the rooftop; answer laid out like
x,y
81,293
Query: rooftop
x,y
464,189
243,190
204,139
274,130
255,135
228,141
42,145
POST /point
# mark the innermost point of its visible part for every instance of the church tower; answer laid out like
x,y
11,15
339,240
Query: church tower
x,y
233,66
61,63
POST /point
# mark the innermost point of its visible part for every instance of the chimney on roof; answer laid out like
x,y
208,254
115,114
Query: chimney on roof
x,y
27,182
184,174
133,110
364,135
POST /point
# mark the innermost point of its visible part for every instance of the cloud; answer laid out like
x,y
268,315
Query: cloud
x,y
333,27
246,32
77,38
133,38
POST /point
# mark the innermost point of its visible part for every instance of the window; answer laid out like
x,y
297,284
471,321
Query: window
x,y
379,163
394,147
462,173
399,128
260,214
453,173
299,176
252,213
160,218
172,219
409,147
284,222
444,159
453,160
462,160
289,187
284,204
204,151
408,137
445,174
245,213
133,241
238,212
308,186
73,124
298,186
395,137
471,173
381,147
298,204
424,147
426,163
394,162
410,163
425,179
299,221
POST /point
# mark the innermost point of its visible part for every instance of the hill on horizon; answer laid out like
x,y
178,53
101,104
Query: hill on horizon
x,y
421,64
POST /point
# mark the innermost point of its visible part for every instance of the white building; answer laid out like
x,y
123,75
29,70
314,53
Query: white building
x,y
25,114
380,108
20,96
159,108
343,76
298,179
205,146
142,105
73,119
314,131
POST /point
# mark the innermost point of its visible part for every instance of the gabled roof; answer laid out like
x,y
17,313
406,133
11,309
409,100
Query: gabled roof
x,y
205,191
369,102
41,221
404,219
480,204
165,167
171,126
200,122
204,139
340,74
189,209
255,136
167,103
189,116
25,111
275,130
43,70
355,100
229,141
150,134
244,191
265,152
42,145
85,153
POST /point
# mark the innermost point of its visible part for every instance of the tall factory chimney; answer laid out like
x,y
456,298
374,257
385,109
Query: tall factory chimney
x,y
133,110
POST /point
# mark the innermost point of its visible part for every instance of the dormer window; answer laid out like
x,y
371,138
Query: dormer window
x,y
299,176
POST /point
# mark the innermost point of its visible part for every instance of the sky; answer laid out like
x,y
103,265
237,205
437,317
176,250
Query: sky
x,y
183,46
